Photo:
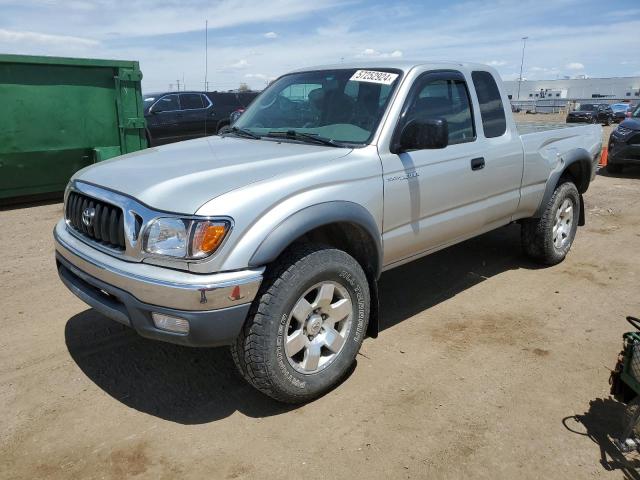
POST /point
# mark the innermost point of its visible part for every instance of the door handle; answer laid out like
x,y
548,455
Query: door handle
x,y
477,163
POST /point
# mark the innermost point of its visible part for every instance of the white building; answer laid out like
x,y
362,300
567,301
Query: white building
x,y
621,88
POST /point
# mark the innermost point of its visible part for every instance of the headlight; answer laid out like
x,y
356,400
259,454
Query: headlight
x,y
184,238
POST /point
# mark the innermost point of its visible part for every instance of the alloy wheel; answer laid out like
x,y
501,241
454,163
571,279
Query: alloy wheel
x,y
318,327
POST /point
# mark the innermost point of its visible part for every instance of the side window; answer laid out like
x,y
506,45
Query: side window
x,y
494,121
167,104
299,92
447,99
191,101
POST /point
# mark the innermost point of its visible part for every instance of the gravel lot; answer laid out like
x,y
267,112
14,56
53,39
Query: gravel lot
x,y
488,367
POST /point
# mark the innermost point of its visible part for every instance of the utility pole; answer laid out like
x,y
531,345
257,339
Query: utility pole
x,y
178,83
206,55
524,44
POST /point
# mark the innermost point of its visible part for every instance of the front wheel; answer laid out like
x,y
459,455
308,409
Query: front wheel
x,y
306,326
548,239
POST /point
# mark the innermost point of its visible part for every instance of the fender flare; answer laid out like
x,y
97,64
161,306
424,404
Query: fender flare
x,y
310,218
580,156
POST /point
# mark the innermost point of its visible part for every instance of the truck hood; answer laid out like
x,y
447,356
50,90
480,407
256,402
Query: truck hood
x,y
183,176
631,123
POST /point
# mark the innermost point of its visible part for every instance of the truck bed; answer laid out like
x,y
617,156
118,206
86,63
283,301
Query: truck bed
x,y
535,127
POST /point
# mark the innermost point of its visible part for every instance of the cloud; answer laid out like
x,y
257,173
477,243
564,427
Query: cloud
x,y
152,17
574,66
242,63
271,35
21,37
372,53
167,37
260,76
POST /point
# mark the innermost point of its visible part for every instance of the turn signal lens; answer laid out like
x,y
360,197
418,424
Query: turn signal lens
x,y
207,237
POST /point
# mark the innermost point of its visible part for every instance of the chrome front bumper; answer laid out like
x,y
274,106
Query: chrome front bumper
x,y
157,285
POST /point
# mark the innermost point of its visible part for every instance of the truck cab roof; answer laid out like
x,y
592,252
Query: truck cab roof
x,y
404,65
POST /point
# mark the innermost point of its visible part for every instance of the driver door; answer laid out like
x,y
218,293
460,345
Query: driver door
x,y
163,120
433,197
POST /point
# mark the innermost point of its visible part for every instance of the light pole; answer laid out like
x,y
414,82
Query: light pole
x,y
524,44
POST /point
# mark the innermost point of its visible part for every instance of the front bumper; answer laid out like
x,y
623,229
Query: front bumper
x,y
579,119
623,153
215,306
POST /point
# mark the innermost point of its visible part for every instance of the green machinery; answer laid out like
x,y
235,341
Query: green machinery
x,y
625,387
58,115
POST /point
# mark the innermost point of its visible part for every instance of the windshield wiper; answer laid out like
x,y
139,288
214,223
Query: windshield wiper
x,y
241,132
302,136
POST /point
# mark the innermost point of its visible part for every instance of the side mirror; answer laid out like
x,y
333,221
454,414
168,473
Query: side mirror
x,y
424,134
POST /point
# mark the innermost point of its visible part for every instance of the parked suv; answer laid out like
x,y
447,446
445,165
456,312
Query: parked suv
x,y
175,116
621,111
624,144
591,113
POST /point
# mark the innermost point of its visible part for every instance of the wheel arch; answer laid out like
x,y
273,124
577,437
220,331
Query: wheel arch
x,y
577,168
351,225
341,224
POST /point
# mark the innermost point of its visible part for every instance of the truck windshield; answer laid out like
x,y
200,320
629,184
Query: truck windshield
x,y
343,106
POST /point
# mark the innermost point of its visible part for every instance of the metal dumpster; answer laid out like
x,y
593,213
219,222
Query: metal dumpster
x,y
58,115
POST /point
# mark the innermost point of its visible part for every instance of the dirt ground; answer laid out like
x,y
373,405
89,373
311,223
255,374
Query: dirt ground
x,y
488,367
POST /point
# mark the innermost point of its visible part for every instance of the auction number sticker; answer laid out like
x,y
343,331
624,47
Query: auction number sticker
x,y
371,76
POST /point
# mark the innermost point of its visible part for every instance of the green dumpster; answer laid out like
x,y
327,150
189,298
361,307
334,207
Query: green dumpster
x,y
58,115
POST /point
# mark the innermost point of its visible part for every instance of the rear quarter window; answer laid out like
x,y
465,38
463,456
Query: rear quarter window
x,y
492,114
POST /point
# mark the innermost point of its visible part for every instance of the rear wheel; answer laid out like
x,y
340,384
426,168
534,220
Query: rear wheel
x,y
307,324
548,239
221,124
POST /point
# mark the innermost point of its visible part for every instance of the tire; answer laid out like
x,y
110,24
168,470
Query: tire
x,y
221,123
614,168
627,417
540,239
302,370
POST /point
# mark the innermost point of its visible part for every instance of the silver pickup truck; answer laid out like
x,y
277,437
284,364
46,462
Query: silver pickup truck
x,y
271,237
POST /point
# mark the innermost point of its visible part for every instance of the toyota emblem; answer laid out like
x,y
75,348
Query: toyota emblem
x,y
87,216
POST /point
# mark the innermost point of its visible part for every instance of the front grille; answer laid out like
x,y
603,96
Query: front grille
x,y
107,226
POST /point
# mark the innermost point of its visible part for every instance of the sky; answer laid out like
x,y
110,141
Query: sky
x,y
253,42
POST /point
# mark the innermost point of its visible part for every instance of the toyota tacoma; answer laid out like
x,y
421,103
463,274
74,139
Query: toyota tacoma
x,y
271,237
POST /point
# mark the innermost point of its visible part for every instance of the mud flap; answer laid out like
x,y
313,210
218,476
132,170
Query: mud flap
x,y
374,312
582,221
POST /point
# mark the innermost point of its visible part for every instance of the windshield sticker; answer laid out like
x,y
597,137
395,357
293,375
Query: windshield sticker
x,y
371,76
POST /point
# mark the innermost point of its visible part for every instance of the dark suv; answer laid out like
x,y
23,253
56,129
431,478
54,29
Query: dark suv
x,y
175,116
624,144
591,113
